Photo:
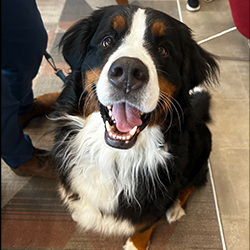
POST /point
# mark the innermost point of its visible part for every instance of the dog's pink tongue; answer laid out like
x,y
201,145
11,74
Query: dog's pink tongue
x,y
126,117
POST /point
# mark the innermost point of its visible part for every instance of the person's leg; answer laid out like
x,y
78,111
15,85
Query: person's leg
x,y
23,42
16,148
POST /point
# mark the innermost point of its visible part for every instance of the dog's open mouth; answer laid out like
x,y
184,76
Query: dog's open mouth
x,y
123,123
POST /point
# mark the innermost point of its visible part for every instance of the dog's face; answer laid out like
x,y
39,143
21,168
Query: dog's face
x,y
134,63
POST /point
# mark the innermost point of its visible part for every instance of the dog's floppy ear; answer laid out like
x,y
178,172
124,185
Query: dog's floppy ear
x,y
198,66
75,41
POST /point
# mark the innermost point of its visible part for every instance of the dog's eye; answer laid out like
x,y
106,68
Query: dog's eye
x,y
162,51
107,41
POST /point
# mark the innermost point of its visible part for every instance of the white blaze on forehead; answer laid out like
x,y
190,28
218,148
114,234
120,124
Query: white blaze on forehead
x,y
133,45
136,37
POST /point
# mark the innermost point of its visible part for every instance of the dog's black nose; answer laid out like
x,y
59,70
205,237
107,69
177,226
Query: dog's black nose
x,y
128,73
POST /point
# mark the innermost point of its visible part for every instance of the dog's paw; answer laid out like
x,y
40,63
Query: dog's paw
x,y
175,212
130,246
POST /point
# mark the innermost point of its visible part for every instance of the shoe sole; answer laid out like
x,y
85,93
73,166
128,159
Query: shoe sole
x,y
192,9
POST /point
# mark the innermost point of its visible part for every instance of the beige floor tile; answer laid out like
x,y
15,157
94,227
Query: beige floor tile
x,y
223,184
236,230
237,161
231,175
243,68
232,81
230,126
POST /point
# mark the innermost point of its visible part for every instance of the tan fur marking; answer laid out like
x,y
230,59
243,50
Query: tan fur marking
x,y
167,91
90,103
158,29
141,240
119,23
122,1
184,194
92,76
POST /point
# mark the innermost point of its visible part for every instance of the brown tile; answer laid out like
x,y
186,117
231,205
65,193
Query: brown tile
x,y
35,233
92,240
65,25
51,34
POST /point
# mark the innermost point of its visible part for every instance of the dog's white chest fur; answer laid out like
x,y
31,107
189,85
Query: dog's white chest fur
x,y
100,173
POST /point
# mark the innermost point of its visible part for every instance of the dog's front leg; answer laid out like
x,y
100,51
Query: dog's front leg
x,y
139,240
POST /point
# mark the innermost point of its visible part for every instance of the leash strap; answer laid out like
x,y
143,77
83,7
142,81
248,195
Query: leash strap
x,y
58,71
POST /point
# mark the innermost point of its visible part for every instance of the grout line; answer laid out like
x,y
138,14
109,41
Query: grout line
x,y
217,35
217,207
179,10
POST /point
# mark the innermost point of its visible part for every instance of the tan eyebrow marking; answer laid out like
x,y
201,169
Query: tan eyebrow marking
x,y
119,23
158,29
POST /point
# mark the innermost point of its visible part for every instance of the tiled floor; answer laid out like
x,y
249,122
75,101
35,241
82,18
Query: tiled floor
x,y
230,102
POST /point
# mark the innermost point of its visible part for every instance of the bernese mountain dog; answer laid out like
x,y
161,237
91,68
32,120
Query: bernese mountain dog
x,y
131,141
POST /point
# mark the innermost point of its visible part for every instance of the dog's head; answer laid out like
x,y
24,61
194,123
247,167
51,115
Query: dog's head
x,y
134,62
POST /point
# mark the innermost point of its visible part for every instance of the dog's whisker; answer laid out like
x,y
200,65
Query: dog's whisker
x,y
90,93
176,109
92,70
90,96
172,98
164,72
80,100
167,106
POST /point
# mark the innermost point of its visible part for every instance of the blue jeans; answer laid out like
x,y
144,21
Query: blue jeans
x,y
23,42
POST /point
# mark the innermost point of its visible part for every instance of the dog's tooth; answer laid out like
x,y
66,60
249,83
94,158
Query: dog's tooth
x,y
123,138
108,127
128,137
132,131
109,107
110,113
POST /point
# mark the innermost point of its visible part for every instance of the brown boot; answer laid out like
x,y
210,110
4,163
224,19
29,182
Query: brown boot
x,y
42,104
40,164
